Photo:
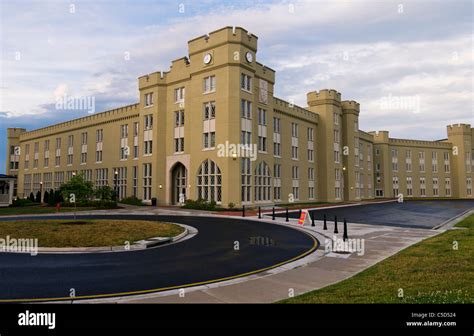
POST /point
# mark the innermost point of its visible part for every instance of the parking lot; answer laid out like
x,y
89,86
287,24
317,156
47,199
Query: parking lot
x,y
416,214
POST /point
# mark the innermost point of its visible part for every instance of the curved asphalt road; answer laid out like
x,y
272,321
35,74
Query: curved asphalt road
x,y
207,257
412,214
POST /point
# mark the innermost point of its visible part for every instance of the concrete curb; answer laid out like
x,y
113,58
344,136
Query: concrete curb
x,y
453,221
153,242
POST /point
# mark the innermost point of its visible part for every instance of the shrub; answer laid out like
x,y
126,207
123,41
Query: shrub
x,y
32,197
104,193
199,204
132,201
46,197
231,205
22,202
98,204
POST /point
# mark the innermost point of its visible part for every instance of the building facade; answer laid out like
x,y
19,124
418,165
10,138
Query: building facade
x,y
211,128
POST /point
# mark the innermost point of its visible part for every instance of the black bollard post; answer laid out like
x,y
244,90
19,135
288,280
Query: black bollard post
x,y
287,215
299,214
259,213
312,218
243,210
345,237
325,226
273,213
335,225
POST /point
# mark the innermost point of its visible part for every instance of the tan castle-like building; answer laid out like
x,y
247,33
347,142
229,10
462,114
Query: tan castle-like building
x,y
175,141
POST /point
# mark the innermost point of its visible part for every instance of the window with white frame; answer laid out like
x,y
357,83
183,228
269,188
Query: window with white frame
x,y
395,186
421,161
148,121
101,177
246,109
246,182
209,110
434,162
209,84
408,160
435,186
263,180
469,186
70,144
447,186
409,182
209,140
394,159
57,156
276,137
246,82
422,186
148,99
46,154
209,182
147,180
447,168
277,182
179,94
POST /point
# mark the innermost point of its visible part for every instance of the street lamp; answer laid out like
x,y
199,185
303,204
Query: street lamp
x,y
116,184
41,192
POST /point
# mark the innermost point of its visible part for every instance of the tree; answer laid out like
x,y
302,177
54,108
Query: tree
x,y
52,198
38,197
105,193
83,190
46,197
31,197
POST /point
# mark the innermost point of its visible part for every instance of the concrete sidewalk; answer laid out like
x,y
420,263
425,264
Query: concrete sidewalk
x,y
313,272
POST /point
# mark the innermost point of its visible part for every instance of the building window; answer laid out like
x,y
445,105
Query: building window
x,y
209,110
209,140
447,168
58,179
246,82
421,161
246,109
422,186
147,181
246,176
148,145
276,137
209,84
409,182
57,158
336,118
395,186
179,94
120,182
277,182
408,161
101,177
179,118
262,144
149,99
435,187
209,182
135,140
262,116
434,162
135,181
447,186
179,145
394,159
148,122
262,182
469,186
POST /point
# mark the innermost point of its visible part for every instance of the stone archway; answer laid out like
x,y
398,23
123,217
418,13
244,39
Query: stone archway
x,y
179,183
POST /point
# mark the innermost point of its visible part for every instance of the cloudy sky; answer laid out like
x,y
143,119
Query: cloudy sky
x,y
379,53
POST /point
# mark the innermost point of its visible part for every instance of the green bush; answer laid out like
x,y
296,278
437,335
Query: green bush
x,y
32,197
98,204
199,204
22,202
132,201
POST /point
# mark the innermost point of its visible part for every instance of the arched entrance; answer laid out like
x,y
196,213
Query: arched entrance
x,y
179,183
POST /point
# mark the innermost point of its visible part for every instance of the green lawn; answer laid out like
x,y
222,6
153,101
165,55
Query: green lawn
x,y
428,272
87,233
36,209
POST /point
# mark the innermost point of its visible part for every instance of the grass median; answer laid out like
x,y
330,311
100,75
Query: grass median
x,y
87,233
436,270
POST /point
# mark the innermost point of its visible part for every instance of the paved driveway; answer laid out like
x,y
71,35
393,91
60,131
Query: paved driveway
x,y
208,257
416,214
